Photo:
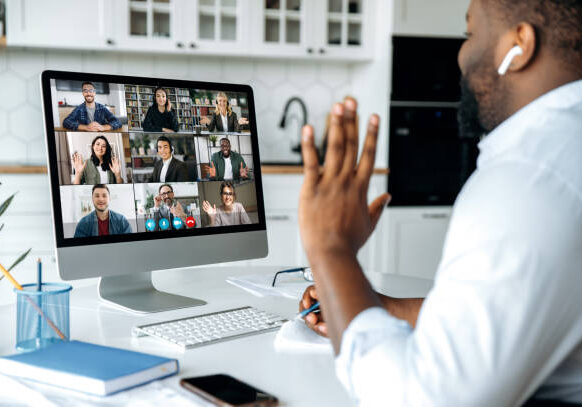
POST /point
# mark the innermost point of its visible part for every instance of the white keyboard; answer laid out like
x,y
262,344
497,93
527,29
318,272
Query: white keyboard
x,y
211,328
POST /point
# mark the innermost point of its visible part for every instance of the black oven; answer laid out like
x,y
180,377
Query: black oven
x,y
429,162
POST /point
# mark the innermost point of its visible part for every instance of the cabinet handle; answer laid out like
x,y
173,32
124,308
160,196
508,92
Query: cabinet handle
x,y
310,50
193,45
180,44
434,216
322,51
109,41
278,217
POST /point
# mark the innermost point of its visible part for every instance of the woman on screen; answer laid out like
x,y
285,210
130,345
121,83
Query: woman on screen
x,y
160,116
223,118
230,212
101,168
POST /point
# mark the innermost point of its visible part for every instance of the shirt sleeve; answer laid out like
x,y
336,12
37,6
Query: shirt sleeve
x,y
504,312
175,125
148,123
71,122
244,217
113,121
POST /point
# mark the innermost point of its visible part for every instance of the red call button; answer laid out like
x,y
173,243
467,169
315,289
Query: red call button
x,y
190,222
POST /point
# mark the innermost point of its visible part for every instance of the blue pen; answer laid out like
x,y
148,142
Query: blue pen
x,y
305,312
39,288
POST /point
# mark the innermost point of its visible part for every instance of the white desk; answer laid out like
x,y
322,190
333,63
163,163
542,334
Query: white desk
x,y
296,379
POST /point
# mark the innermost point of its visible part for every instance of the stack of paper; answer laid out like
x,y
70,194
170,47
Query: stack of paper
x,y
295,336
261,285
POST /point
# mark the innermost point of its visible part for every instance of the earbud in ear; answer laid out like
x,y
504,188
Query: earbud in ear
x,y
513,52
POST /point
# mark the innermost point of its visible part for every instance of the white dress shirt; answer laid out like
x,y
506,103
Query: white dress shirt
x,y
164,170
224,122
504,318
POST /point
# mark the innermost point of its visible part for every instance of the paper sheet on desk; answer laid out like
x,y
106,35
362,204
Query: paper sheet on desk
x,y
17,392
261,286
295,336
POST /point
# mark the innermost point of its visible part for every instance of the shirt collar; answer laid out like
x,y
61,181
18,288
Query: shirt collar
x,y
167,162
511,132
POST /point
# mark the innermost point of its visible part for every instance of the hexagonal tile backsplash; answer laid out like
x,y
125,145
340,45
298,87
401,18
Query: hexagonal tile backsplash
x,y
317,83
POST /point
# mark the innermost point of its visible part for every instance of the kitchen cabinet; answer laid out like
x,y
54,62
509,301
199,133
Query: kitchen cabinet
x,y
323,29
180,26
414,239
317,29
443,18
58,24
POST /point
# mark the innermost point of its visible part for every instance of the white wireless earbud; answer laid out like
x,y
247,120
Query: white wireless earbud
x,y
513,52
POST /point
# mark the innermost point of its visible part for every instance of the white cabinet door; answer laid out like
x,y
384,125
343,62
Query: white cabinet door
x,y
344,29
216,26
415,240
82,24
444,18
324,29
283,27
148,25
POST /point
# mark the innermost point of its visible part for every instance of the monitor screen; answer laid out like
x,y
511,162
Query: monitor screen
x,y
144,158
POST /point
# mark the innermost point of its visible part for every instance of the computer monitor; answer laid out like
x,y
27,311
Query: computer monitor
x,y
150,174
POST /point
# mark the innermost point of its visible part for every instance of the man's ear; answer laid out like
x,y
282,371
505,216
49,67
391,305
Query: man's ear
x,y
524,37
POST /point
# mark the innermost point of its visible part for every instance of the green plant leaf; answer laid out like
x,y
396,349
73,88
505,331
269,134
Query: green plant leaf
x,y
6,204
18,260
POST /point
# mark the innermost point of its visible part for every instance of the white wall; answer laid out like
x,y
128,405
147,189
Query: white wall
x,y
319,84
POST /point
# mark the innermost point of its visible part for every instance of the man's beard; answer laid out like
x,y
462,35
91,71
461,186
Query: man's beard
x,y
468,113
483,104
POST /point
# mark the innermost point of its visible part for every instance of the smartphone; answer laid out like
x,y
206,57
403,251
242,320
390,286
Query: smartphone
x,y
226,391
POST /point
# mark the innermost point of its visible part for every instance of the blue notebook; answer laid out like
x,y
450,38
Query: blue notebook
x,y
88,368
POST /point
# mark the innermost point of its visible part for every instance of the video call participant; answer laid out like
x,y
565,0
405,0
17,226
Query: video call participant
x,y
90,115
230,212
102,221
100,168
227,164
160,117
223,118
165,206
168,169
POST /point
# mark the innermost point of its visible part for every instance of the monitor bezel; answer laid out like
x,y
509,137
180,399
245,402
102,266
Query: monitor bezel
x,y
52,165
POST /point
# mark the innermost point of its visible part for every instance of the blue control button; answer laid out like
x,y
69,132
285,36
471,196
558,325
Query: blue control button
x,y
150,225
164,223
177,223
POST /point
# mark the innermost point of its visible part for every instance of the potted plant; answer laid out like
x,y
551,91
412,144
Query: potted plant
x,y
213,138
3,207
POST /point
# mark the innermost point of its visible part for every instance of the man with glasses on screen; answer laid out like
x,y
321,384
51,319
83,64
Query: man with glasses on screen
x,y
166,207
90,115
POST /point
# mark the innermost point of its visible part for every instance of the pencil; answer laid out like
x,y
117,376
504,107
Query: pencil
x,y
37,309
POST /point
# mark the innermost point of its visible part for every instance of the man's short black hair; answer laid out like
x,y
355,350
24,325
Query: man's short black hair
x,y
558,25
165,185
97,186
224,138
88,83
166,139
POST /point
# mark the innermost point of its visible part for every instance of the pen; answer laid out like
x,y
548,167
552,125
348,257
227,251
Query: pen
x,y
36,308
305,312
39,288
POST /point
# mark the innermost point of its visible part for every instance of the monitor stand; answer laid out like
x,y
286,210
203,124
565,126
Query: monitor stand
x,y
136,292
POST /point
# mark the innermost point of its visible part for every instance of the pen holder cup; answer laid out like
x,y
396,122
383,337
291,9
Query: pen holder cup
x,y
42,317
